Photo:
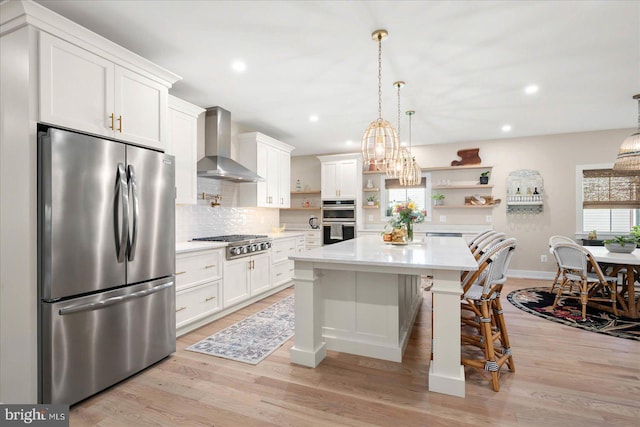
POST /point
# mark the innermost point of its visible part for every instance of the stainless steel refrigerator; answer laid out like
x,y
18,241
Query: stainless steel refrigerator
x,y
106,259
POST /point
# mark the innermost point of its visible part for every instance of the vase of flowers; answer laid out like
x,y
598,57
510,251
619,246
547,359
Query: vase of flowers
x,y
405,215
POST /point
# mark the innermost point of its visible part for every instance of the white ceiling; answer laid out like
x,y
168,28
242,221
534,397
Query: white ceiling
x,y
465,63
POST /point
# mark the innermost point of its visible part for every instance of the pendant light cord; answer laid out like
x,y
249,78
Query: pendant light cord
x,y
410,153
380,76
399,86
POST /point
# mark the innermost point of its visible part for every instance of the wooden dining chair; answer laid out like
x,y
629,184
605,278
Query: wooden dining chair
x,y
554,240
575,261
486,324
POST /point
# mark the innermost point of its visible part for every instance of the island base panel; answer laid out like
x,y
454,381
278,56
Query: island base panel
x,y
308,358
453,386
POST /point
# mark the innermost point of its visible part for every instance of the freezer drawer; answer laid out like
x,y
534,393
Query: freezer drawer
x,y
93,342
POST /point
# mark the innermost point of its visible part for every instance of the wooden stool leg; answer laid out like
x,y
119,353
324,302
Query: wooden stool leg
x,y
504,335
555,280
490,357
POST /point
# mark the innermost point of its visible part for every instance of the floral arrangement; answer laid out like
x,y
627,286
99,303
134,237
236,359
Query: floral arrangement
x,y
406,214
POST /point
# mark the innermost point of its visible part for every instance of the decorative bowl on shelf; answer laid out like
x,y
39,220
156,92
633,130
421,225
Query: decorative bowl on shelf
x,y
618,248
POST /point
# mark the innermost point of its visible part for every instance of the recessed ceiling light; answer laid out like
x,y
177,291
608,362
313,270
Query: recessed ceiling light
x,y
349,142
506,128
531,89
238,66
313,118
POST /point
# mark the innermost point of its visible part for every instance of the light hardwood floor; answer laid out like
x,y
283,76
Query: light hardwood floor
x,y
564,377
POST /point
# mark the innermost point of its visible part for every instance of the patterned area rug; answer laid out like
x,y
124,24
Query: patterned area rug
x,y
254,338
538,301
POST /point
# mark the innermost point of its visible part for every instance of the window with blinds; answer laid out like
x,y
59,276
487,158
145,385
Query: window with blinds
x,y
397,193
611,200
610,189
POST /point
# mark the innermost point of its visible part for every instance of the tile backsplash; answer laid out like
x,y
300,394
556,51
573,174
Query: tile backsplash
x,y
202,220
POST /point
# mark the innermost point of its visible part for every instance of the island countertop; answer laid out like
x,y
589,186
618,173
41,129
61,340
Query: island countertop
x,y
434,252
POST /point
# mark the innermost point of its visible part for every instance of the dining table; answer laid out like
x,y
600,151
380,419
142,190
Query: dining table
x,y
614,263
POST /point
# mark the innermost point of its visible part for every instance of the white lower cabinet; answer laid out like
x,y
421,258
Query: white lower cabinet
x,y
282,271
245,277
312,239
197,302
198,284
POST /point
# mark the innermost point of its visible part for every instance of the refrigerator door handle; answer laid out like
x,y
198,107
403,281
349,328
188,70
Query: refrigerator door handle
x,y
136,213
113,300
124,201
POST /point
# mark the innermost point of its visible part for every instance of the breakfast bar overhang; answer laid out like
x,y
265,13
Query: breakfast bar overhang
x,y
361,296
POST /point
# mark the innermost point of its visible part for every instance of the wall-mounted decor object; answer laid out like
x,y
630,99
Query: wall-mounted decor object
x,y
467,157
525,192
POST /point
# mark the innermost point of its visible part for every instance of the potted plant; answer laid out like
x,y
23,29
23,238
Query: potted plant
x,y
438,199
371,200
484,177
635,232
621,244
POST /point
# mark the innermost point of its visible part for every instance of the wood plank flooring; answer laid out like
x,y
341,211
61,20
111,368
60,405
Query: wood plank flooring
x,y
564,377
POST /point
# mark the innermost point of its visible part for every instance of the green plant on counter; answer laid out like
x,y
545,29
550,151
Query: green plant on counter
x,y
485,173
621,240
635,232
437,196
371,199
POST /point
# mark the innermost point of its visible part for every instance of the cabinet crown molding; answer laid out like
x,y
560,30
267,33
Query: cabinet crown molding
x,y
265,139
337,157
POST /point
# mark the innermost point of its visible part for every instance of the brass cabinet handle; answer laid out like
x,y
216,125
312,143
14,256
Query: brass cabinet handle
x,y
112,117
180,272
120,124
180,309
209,266
210,298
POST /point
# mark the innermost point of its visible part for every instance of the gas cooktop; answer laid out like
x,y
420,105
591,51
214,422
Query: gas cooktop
x,y
241,244
232,238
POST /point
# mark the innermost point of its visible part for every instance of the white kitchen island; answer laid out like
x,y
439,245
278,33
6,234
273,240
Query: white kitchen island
x,y
361,296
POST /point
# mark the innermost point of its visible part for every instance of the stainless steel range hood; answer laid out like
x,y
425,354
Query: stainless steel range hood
x,y
217,163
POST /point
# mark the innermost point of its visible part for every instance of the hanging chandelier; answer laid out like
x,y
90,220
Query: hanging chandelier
x,y
411,173
629,154
394,167
380,141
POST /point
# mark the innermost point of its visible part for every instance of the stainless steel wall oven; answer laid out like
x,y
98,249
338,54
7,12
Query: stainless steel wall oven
x,y
338,221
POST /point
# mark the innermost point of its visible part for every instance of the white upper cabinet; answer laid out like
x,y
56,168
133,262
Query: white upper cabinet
x,y
183,143
140,109
271,159
86,92
284,180
341,176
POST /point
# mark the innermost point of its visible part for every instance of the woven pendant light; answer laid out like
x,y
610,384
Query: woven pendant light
x,y
411,174
629,154
380,141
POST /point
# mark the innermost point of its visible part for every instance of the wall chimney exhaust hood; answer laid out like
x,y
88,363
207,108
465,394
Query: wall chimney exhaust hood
x,y
217,163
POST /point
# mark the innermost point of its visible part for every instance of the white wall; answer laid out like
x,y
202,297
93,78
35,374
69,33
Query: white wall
x,y
555,157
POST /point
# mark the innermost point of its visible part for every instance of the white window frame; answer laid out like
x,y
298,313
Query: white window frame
x,y
384,197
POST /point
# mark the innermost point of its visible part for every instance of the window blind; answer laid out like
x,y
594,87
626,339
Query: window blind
x,y
610,189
